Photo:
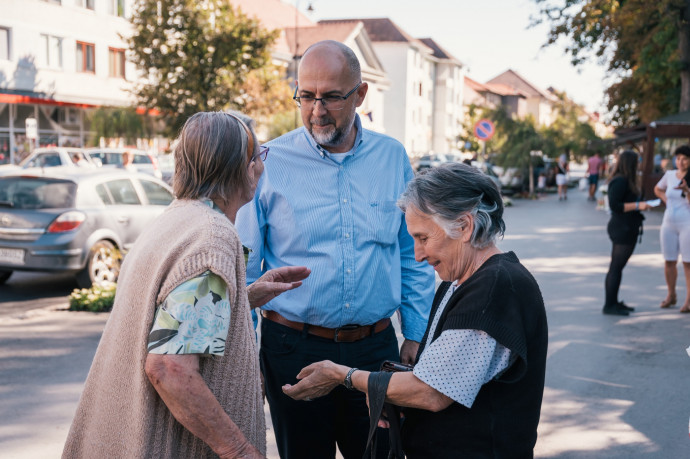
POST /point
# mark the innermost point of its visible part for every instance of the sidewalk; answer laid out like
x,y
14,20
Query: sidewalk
x,y
615,385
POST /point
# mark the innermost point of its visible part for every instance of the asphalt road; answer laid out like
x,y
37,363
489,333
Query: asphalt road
x,y
615,386
25,291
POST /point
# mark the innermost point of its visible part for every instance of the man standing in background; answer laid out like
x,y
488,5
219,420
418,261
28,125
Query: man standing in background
x,y
327,201
595,167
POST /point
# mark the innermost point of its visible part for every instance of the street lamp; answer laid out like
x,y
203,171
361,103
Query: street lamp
x,y
295,55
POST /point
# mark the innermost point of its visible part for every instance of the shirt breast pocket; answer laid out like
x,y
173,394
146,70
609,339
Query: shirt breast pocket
x,y
383,222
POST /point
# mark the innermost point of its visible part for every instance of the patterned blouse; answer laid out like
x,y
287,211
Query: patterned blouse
x,y
195,317
459,362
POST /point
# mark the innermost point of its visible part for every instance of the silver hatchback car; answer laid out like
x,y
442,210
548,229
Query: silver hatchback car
x,y
75,221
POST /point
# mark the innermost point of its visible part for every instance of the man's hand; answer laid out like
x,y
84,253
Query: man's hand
x,y
408,351
274,282
317,380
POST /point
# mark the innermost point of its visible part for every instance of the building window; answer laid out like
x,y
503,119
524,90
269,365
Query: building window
x,y
90,4
116,8
117,62
85,57
4,43
57,2
51,51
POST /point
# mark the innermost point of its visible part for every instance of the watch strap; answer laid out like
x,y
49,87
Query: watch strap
x,y
348,379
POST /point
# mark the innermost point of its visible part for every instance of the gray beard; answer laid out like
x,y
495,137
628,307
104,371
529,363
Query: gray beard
x,y
333,138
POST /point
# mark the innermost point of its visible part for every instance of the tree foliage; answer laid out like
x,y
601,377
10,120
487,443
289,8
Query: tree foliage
x,y
112,122
200,55
637,39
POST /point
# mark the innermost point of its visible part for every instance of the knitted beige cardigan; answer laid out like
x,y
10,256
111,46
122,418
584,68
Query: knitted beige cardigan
x,y
120,415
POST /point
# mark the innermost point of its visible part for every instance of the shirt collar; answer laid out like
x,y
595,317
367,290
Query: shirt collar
x,y
325,153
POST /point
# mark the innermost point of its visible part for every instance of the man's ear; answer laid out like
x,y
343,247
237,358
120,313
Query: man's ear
x,y
361,93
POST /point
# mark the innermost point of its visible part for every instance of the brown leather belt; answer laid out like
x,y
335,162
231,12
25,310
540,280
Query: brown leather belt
x,y
345,334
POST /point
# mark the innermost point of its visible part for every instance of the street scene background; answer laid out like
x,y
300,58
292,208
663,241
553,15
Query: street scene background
x,y
615,386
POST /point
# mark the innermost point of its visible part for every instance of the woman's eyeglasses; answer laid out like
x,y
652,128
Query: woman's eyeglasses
x,y
263,153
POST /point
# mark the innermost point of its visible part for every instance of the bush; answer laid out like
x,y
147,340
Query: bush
x,y
98,298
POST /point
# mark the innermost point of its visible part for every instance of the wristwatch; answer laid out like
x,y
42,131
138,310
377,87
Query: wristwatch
x,y
348,379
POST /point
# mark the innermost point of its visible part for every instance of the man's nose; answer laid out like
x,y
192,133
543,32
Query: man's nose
x,y
319,107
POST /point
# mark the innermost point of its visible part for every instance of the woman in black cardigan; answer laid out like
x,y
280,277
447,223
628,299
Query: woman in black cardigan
x,y
624,226
478,380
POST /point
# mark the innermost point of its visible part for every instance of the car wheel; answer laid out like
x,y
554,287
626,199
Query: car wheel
x,y
4,275
102,266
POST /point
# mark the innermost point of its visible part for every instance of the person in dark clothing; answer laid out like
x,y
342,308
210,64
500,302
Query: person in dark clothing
x,y
477,385
624,227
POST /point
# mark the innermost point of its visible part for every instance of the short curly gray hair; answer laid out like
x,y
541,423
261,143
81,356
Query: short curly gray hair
x,y
453,190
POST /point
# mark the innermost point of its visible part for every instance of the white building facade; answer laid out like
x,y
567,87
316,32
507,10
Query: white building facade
x,y
59,59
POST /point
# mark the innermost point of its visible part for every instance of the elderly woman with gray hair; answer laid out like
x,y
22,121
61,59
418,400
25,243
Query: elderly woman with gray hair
x,y
477,385
176,374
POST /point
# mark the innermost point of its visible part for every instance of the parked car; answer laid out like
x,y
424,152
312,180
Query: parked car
x,y
112,157
166,163
69,220
53,157
428,161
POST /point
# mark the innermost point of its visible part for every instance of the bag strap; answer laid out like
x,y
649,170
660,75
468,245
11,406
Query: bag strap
x,y
378,385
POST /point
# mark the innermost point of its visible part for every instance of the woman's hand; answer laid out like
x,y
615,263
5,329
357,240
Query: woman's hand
x,y
683,187
274,282
316,380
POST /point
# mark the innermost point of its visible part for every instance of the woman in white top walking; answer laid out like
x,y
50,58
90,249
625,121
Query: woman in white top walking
x,y
675,227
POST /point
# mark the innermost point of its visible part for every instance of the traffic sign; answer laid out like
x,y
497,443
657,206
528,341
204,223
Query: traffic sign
x,y
31,129
484,129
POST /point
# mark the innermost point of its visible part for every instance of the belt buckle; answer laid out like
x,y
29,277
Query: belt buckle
x,y
349,327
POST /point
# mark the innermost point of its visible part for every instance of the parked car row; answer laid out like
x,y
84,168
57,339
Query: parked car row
x,y
85,158
434,160
75,219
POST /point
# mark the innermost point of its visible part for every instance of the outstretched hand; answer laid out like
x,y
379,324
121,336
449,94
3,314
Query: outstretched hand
x,y
274,282
316,380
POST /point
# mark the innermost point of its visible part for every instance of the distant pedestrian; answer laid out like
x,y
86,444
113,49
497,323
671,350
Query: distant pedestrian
x,y
624,226
541,184
595,167
562,177
675,227
128,161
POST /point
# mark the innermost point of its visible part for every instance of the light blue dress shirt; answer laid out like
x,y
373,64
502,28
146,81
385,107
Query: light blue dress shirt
x,y
339,218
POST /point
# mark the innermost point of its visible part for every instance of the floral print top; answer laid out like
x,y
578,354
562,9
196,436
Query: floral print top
x,y
195,316
193,319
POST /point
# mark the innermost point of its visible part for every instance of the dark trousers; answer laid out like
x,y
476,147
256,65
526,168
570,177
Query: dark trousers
x,y
312,429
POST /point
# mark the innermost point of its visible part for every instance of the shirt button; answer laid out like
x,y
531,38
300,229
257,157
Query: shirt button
x,y
341,167
349,271
345,200
347,235
347,305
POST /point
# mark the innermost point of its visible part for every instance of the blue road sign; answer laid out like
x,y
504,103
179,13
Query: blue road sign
x,y
484,129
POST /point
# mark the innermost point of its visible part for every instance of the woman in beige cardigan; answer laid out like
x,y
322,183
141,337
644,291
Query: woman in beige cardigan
x,y
176,372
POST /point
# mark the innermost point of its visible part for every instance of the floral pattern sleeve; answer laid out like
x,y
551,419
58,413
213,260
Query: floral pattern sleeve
x,y
193,319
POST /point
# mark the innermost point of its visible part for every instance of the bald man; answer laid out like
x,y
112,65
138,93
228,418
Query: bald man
x,y
327,200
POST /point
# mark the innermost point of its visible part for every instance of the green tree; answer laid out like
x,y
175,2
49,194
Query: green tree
x,y
197,55
570,132
467,140
112,122
646,45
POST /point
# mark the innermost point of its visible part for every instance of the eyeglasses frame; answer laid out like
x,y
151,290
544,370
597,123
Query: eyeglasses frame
x,y
296,98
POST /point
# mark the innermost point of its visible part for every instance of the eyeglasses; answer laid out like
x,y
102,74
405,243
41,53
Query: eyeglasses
x,y
329,102
263,153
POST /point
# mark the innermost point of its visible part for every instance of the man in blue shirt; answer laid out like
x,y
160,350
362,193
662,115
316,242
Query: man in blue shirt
x,y
327,200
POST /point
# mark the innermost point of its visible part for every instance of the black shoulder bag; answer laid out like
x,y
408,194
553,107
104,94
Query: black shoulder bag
x,y
378,385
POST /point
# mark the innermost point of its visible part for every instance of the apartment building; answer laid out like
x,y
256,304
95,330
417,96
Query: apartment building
x,y
58,60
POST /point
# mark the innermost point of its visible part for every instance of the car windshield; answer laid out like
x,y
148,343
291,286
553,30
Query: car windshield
x,y
45,159
109,158
33,193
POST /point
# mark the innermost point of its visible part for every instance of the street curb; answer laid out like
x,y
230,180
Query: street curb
x,y
32,313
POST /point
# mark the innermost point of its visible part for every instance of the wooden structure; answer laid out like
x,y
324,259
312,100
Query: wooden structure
x,y
645,136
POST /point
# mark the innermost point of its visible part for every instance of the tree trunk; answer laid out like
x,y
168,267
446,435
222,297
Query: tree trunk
x,y
684,51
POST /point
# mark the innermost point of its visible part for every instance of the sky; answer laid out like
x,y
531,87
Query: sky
x,y
487,36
